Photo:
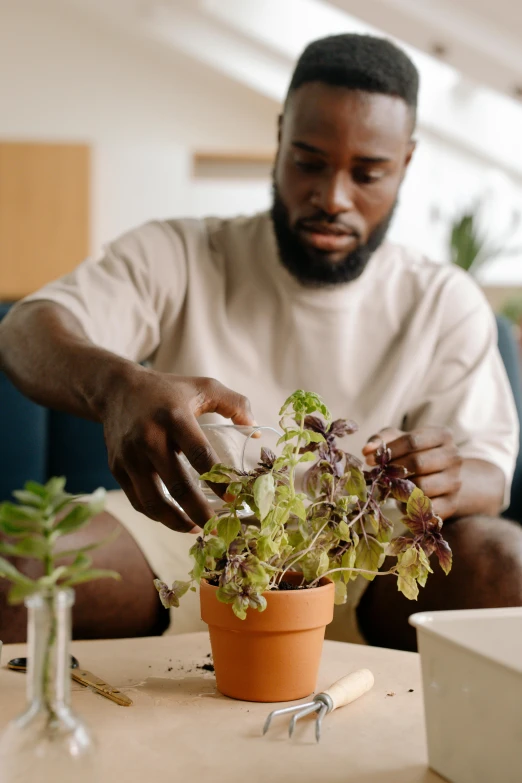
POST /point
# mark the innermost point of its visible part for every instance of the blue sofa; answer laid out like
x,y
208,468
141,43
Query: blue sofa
x,y
37,443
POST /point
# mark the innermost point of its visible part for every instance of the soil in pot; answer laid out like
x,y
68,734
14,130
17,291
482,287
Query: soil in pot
x,y
273,655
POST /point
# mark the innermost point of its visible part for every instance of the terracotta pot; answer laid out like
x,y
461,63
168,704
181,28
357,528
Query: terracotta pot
x,y
272,655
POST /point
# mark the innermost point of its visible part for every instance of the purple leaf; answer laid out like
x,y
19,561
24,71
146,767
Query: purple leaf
x,y
398,545
396,471
444,554
315,423
352,461
419,512
341,427
382,456
267,458
401,489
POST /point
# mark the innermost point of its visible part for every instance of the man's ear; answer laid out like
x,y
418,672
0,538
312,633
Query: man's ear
x,y
279,127
412,146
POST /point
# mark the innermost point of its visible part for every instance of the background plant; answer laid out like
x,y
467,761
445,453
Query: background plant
x,y
472,249
336,528
31,529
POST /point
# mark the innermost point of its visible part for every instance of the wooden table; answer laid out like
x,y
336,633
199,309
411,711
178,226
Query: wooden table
x,y
180,729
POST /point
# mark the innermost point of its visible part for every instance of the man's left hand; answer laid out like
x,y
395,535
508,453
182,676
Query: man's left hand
x,y
432,459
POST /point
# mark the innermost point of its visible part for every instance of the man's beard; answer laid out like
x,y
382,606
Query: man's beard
x,y
312,267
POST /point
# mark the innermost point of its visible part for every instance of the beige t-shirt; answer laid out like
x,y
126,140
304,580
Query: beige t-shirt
x,y
409,343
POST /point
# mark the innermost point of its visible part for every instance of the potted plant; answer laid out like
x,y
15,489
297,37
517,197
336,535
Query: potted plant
x,y
269,580
469,246
48,741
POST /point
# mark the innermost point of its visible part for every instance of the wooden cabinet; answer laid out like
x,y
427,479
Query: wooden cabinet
x,y
44,213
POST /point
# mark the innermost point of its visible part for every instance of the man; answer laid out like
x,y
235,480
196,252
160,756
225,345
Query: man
x,y
308,296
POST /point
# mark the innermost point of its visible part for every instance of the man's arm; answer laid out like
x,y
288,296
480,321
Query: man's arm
x,y
46,354
148,417
457,487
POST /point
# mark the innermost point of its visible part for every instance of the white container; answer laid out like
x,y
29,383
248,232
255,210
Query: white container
x,y
472,678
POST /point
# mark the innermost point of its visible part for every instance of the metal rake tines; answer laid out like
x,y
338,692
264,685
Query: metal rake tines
x,y
342,692
322,704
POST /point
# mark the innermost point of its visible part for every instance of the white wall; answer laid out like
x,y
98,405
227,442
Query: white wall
x,y
144,109
63,77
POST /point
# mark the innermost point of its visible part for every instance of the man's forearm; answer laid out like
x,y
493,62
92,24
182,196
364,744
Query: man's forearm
x,y
482,490
45,353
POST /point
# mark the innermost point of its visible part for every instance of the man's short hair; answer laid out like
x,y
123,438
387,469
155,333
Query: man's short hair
x,y
359,62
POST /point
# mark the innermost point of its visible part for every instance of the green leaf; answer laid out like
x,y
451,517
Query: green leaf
x,y
88,576
9,571
82,561
228,529
422,575
55,486
343,531
226,596
348,562
266,547
96,501
264,493
298,508
36,489
408,587
409,557
290,435
210,526
309,565
308,456
258,601
373,522
216,477
323,565
74,520
356,484
239,608
61,502
19,592
31,546
340,593
30,498
282,491
314,437
12,513
369,556
49,581
215,546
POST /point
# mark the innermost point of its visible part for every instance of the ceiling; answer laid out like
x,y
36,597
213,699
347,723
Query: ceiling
x,y
482,38
468,87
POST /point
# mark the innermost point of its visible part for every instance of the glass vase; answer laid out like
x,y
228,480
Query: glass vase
x,y
48,742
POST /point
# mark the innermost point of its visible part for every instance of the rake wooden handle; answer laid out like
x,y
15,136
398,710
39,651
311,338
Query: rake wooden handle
x,y
349,688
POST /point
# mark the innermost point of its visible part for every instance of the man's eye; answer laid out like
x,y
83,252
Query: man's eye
x,y
368,177
308,166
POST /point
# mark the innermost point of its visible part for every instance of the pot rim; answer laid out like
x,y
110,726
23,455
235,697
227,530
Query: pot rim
x,y
324,585
286,610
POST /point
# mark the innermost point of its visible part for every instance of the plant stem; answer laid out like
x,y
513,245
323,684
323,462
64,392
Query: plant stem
x,y
47,685
51,637
304,552
352,570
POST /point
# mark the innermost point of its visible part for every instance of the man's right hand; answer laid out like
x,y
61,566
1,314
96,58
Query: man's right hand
x,y
149,419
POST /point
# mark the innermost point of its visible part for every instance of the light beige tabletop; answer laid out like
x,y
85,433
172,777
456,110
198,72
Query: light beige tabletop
x,y
181,729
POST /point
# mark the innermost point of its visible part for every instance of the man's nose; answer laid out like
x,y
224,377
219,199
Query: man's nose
x,y
335,194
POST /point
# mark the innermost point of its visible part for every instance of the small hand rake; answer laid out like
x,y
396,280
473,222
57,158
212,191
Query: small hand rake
x,y
342,692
